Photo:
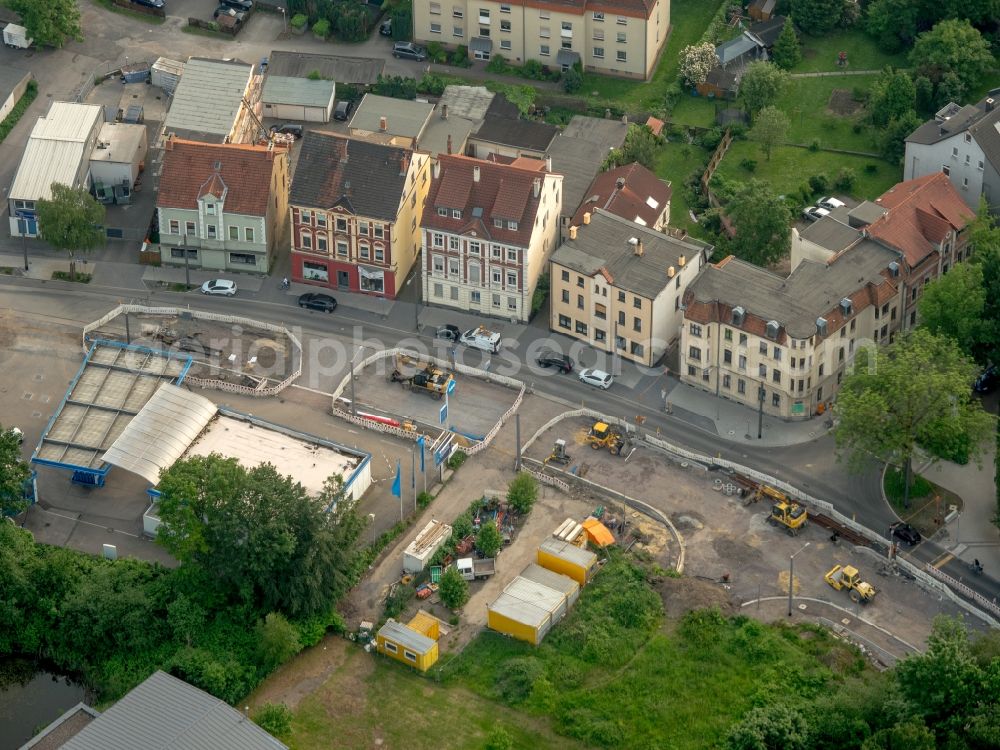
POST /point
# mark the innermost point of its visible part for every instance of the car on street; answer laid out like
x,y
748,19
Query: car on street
x,y
225,287
150,3
288,128
409,51
448,332
317,301
906,534
385,28
343,110
549,358
830,203
987,381
597,378
814,213
224,11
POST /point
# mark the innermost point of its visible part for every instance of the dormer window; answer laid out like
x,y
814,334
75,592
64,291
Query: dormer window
x,y
512,225
210,209
498,223
442,211
456,213
772,329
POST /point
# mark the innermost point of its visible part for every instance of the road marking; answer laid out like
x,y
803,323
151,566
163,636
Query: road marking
x,y
943,559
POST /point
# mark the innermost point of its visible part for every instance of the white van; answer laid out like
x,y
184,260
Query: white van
x,y
482,338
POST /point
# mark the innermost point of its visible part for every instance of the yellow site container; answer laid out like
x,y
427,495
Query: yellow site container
x,y
407,645
424,623
527,610
567,559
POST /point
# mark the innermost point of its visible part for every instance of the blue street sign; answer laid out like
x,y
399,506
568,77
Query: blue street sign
x,y
443,413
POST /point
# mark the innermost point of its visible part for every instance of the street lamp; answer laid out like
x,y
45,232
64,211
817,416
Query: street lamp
x,y
371,517
284,19
791,576
360,348
761,395
187,263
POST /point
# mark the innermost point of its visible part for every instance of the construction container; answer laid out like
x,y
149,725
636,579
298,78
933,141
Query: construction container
x,y
135,72
16,36
166,74
407,645
427,542
563,557
425,624
526,610
557,581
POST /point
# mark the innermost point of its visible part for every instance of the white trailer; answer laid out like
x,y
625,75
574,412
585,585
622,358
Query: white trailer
x,y
16,36
422,548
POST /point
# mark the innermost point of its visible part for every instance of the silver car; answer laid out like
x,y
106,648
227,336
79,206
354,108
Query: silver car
x,y
597,378
224,287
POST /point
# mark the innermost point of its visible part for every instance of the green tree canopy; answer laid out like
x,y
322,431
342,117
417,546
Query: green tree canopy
x,y
453,589
14,472
761,222
952,306
787,52
892,96
769,129
893,23
984,237
892,139
640,145
761,85
817,16
488,540
952,46
50,24
261,534
522,492
916,390
71,220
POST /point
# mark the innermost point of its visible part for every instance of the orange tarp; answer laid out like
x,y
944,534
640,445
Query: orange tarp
x,y
598,533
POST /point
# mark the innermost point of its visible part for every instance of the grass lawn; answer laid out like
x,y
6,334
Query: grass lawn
x,y
789,167
819,54
688,21
675,162
697,110
806,102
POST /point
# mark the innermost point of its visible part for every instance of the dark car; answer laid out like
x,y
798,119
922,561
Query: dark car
x,y
239,4
448,332
906,534
150,3
225,11
987,382
289,128
409,51
554,359
315,301
343,110
385,28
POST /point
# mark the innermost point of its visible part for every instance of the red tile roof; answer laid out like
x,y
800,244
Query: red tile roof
x,y
628,201
503,191
244,173
655,125
921,213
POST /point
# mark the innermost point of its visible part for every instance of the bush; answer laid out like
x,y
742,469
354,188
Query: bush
x,y
274,718
540,293
919,487
871,168
671,96
431,84
424,499
518,678
436,52
460,56
497,64
846,178
396,602
572,81
709,140
321,28
819,183
15,114
457,459
488,540
749,165
805,192
814,146
453,589
277,641
498,739
533,69
298,21
522,492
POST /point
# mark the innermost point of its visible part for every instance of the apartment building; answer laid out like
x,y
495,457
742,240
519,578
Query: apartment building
x,y
618,285
615,37
355,212
784,344
488,231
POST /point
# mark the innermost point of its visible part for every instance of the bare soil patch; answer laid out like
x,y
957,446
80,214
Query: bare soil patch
x,y
843,103
681,595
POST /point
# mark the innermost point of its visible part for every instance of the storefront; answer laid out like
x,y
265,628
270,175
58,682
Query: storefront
x,y
343,276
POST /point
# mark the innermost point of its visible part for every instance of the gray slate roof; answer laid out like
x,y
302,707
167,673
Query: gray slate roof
x,y
360,70
734,49
527,134
578,152
297,91
604,243
933,131
404,118
987,135
832,232
165,713
208,98
406,637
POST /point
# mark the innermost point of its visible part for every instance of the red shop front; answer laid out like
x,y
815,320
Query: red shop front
x,y
338,275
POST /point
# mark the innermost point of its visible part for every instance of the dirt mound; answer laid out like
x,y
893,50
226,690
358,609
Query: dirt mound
x,y
682,595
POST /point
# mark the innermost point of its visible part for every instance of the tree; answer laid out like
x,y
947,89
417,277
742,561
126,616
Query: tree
x,y
761,85
892,139
952,46
14,472
72,221
277,641
186,618
766,727
761,221
953,304
984,237
50,24
892,96
572,80
522,492
769,128
787,53
266,541
697,60
817,16
453,589
488,540
402,21
893,23
641,145
916,390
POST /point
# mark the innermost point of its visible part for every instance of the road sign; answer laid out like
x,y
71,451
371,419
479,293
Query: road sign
x,y
443,413
451,386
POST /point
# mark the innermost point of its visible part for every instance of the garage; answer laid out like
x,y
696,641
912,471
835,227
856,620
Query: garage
x,y
298,99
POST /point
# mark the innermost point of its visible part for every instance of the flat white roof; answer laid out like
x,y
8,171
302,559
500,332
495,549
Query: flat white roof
x,y
123,140
406,637
55,150
307,462
68,121
570,552
528,602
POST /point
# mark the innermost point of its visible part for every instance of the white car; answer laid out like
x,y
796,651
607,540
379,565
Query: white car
x,y
598,378
830,203
482,338
814,214
224,287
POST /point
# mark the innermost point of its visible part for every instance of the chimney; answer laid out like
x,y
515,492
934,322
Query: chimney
x,y
383,124
475,173
538,186
572,232
619,183
639,250
437,170
444,111
681,261
548,163
671,272
586,217
449,143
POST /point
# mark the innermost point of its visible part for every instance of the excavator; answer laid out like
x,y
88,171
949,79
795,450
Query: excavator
x,y
432,380
784,511
559,454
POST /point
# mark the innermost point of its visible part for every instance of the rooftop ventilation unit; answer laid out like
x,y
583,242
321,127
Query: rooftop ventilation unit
x,y
846,306
894,269
739,315
772,329
821,328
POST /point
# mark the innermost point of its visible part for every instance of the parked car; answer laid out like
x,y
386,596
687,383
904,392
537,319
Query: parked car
x,y
906,533
219,286
482,338
448,332
150,3
343,110
225,11
245,5
317,301
409,51
830,203
289,128
554,359
987,381
597,378
385,28
814,213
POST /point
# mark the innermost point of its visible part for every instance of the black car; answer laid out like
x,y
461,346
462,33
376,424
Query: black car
x,y
385,29
289,128
315,301
343,110
150,3
239,4
554,359
988,381
448,332
906,534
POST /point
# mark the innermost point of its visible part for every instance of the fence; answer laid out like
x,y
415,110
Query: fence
x,y
215,26
141,9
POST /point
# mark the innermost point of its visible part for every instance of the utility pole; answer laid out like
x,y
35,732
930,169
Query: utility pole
x,y
22,227
517,438
791,577
413,476
187,262
761,393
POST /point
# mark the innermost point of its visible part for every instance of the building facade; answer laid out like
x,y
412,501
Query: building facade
x,y
621,38
224,206
619,286
488,232
355,210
